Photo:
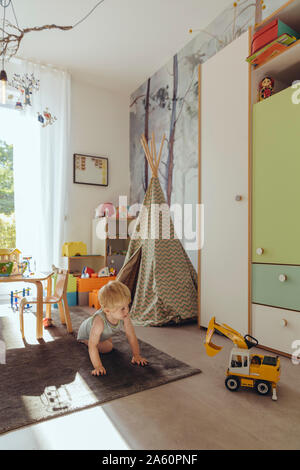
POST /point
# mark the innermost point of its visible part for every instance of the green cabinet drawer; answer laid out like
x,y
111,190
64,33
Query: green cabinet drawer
x,y
276,188
276,285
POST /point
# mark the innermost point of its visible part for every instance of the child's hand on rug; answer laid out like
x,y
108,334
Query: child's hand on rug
x,y
140,361
99,371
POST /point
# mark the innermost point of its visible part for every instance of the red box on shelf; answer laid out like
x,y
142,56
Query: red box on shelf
x,y
265,35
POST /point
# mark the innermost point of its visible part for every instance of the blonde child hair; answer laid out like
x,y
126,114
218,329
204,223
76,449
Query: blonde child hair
x,y
113,294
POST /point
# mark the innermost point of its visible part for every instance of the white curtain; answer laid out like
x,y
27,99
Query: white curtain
x,y
41,156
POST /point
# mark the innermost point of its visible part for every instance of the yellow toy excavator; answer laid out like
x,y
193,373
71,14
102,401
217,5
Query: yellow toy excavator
x,y
245,369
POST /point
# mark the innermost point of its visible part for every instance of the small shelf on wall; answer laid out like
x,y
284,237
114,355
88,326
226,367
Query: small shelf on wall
x,y
284,68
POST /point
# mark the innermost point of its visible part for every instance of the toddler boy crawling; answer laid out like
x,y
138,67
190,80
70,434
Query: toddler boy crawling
x,y
97,331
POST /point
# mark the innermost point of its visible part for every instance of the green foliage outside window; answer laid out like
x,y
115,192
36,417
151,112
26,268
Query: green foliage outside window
x,y
7,207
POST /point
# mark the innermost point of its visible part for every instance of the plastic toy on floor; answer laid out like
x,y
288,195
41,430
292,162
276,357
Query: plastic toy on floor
x,y
47,322
245,369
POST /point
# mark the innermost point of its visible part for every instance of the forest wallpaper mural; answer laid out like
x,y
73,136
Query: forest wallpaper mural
x,y
167,103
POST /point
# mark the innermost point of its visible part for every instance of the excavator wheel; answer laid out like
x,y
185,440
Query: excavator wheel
x,y
232,383
262,387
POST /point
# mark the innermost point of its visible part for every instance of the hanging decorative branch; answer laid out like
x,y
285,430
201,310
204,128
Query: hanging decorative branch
x,y
12,35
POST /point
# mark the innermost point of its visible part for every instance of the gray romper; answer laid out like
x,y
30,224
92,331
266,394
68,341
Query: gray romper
x,y
109,328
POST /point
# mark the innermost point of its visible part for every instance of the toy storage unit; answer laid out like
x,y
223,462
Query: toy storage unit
x,y
71,290
85,286
75,264
249,265
110,238
276,224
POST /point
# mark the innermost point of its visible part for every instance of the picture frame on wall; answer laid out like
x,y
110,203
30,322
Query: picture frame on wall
x,y
91,170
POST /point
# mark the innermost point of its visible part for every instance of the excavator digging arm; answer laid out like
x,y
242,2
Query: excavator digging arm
x,y
241,342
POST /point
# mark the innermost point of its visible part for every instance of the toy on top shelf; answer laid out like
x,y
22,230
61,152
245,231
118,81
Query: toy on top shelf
x,y
246,370
270,40
269,33
105,209
266,87
270,50
74,249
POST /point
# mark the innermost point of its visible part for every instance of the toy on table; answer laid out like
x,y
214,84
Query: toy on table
x,y
7,256
74,249
6,269
27,267
245,369
15,297
87,272
266,87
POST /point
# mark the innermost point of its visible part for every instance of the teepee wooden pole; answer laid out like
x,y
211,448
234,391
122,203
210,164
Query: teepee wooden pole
x,y
154,150
146,150
160,151
151,155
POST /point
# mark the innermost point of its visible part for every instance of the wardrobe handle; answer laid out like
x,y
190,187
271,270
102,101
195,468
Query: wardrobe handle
x,y
282,277
259,251
284,322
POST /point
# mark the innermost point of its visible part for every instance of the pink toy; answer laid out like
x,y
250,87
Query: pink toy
x,y
106,209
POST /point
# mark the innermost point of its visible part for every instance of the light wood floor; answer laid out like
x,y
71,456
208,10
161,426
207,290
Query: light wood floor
x,y
193,413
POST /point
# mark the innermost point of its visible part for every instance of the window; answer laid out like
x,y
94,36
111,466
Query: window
x,y
7,203
236,361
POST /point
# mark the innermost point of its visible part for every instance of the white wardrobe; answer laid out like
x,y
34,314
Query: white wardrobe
x,y
224,186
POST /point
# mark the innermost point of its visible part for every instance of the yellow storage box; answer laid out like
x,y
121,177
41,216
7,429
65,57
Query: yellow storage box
x,y
74,249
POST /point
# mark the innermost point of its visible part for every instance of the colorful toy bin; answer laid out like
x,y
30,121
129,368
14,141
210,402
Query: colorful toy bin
x,y
71,290
85,286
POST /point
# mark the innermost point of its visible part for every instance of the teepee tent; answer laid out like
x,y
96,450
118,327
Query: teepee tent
x,y
157,270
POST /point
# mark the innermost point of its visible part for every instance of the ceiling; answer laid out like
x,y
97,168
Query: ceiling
x,y
120,45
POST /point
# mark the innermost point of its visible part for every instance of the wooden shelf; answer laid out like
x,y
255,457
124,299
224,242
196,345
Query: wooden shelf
x,y
290,55
81,257
289,13
284,68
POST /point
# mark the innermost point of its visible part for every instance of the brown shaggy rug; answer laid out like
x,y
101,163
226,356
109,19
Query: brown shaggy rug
x,y
42,380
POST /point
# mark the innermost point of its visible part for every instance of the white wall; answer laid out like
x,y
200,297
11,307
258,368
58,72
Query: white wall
x,y
100,127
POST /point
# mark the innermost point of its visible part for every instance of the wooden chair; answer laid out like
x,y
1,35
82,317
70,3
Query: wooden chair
x,y
59,297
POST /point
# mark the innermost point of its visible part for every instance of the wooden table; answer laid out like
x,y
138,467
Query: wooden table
x,y
36,279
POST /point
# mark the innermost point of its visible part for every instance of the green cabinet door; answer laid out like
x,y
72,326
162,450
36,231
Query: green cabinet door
x,y
276,285
276,180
